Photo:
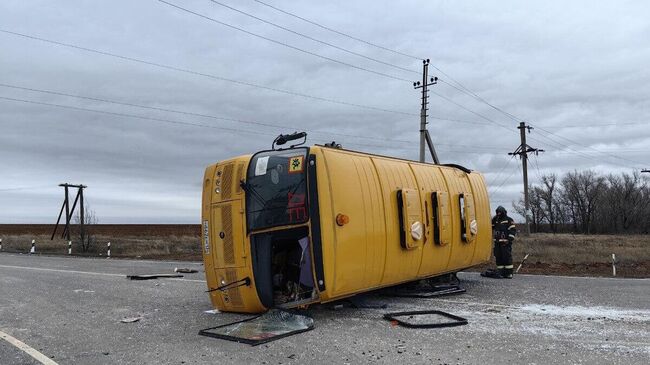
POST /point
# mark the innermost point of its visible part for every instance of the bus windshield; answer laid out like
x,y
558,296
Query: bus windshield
x,y
276,188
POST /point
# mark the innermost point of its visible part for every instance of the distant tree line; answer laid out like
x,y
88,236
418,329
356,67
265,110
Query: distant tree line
x,y
588,202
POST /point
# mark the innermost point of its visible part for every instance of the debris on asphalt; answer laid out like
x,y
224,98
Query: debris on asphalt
x,y
130,319
212,311
413,321
267,327
185,270
153,276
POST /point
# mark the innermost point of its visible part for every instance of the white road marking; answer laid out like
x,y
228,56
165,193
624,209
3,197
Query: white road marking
x,y
27,349
476,303
85,272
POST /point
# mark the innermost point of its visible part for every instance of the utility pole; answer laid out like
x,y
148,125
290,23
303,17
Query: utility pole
x,y
70,211
424,133
523,150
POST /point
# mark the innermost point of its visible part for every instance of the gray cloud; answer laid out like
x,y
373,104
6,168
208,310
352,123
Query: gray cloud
x,y
555,64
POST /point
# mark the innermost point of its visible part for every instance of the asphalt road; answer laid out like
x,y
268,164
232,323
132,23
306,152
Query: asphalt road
x,y
69,309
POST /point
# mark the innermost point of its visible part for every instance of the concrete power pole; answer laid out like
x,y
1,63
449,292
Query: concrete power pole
x,y
523,150
424,133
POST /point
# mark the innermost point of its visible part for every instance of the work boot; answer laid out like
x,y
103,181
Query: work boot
x,y
506,273
494,274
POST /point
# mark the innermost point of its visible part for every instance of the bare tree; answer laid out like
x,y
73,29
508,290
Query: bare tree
x,y
86,236
590,203
582,192
548,195
536,213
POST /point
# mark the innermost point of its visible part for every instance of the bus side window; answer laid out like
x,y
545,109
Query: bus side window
x,y
468,225
440,204
435,208
463,225
471,226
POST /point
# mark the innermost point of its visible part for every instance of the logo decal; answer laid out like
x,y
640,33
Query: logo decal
x,y
295,164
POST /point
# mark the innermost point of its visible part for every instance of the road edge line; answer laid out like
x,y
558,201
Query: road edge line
x,y
27,349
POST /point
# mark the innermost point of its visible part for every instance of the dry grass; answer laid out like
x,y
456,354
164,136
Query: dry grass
x,y
583,249
583,255
564,254
169,247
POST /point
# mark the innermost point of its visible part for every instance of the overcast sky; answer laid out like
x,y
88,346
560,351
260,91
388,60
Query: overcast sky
x,y
577,71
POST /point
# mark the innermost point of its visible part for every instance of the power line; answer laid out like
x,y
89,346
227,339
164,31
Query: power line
x,y
197,73
169,121
338,32
589,147
25,188
119,114
460,87
265,124
283,43
494,191
244,83
312,38
501,171
602,125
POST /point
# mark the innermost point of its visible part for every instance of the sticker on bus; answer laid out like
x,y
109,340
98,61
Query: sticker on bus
x,y
295,164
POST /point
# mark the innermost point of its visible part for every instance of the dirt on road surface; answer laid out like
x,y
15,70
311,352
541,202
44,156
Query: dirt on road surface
x,y
70,310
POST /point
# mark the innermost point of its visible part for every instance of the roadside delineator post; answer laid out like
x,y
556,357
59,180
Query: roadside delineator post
x,y
613,265
33,249
0,244
108,252
69,247
522,263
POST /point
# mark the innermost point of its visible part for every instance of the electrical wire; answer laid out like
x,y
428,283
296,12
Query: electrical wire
x,y
211,76
265,124
284,44
589,147
313,39
338,32
495,190
38,187
127,115
501,171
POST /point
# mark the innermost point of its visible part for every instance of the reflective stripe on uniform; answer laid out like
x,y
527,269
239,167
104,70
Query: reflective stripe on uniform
x,y
505,222
511,236
512,226
501,267
508,266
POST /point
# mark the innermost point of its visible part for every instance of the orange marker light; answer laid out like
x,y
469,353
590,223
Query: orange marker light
x,y
342,219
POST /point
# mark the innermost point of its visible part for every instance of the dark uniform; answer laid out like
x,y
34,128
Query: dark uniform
x,y
504,231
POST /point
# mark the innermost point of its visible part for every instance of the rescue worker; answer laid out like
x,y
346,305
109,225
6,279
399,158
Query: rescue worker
x,y
504,231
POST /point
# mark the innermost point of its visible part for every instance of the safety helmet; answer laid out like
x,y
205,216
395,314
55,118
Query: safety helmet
x,y
501,210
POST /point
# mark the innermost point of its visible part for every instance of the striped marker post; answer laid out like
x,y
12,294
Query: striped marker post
x,y
69,247
521,264
613,265
33,249
0,244
108,251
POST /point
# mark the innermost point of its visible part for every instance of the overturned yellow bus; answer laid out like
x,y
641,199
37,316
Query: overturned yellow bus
x,y
291,227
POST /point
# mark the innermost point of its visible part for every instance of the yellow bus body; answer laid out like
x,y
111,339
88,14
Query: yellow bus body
x,y
399,221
